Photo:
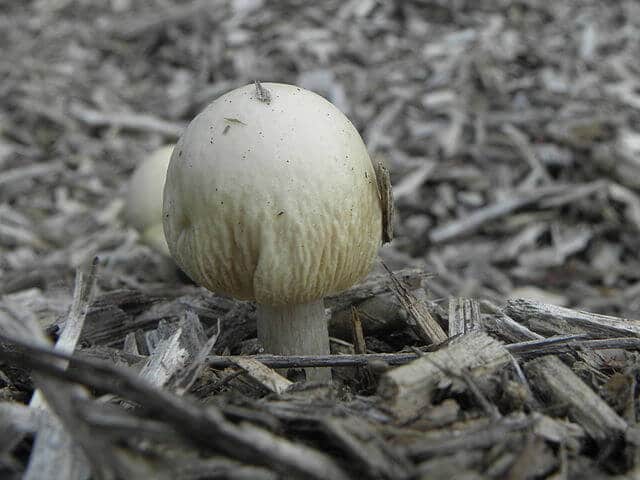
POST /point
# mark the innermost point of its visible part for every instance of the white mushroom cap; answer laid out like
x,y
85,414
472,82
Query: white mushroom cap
x,y
144,198
273,201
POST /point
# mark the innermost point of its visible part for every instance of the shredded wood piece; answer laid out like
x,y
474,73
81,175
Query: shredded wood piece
x,y
410,388
419,317
267,377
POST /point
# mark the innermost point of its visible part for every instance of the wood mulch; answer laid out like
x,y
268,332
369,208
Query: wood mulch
x,y
498,336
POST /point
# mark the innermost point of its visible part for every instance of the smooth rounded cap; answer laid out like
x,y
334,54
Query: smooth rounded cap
x,y
144,198
272,199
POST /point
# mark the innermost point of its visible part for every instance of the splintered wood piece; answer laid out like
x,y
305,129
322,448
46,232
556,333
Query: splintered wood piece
x,y
54,451
464,316
556,381
83,292
363,445
477,434
359,345
418,316
55,455
183,379
505,326
265,376
552,320
385,193
174,351
559,431
408,389
130,344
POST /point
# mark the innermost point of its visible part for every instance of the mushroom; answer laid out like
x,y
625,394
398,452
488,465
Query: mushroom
x,y
144,198
271,196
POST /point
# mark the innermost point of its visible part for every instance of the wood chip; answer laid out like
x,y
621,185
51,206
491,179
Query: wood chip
x,y
556,381
419,317
552,320
268,378
464,316
408,389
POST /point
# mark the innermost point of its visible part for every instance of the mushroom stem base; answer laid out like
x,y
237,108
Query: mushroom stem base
x,y
296,330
